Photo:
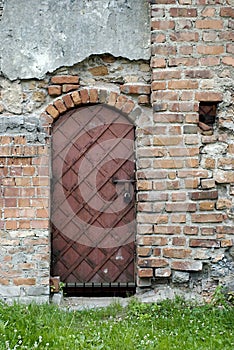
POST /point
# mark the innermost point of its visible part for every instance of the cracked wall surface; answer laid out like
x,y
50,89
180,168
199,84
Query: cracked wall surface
x,y
46,35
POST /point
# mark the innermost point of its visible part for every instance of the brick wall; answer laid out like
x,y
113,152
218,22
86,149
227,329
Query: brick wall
x,y
185,181
185,171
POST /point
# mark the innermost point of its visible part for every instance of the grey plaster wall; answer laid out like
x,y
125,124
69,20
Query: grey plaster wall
x,y
39,36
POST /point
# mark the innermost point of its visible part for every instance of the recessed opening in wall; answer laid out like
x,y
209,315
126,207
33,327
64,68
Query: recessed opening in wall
x,y
207,114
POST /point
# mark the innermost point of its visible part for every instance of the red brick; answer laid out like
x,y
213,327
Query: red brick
x,y
143,100
227,12
182,84
179,241
144,251
51,110
183,152
121,100
168,118
177,253
138,88
158,38
207,218
179,207
190,230
228,230
163,50
204,243
145,272
24,281
158,62
40,224
158,85
60,106
167,230
186,265
76,98
210,61
152,241
207,231
227,243
210,50
166,74
184,37
93,95
152,218
178,218
162,25
209,24
183,61
68,101
183,12
204,195
84,94
152,262
54,90
128,107
112,98
70,87
167,140
168,164
208,12
206,206
229,60
65,79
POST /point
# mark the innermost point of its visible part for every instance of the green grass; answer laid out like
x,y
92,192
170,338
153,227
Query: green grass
x,y
167,325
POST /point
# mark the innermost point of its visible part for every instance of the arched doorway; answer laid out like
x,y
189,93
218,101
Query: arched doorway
x,y
93,199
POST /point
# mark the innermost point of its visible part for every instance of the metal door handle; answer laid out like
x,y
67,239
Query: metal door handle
x,y
119,181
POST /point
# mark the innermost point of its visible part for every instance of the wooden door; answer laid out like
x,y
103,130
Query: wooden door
x,y
92,206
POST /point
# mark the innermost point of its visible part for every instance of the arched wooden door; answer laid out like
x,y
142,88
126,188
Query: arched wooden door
x,y
93,199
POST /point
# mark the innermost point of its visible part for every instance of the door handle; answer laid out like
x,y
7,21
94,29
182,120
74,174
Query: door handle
x,y
119,181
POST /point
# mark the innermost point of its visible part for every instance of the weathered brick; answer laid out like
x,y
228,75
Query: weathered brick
x,y
84,95
229,60
179,207
227,12
162,25
209,24
207,218
76,98
24,281
222,176
182,84
65,79
136,88
186,265
184,37
167,230
152,240
152,262
147,272
162,272
70,87
60,106
51,110
177,253
204,195
179,241
206,206
204,243
54,90
183,12
167,140
210,49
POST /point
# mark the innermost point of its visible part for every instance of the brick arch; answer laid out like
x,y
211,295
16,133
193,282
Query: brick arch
x,y
86,96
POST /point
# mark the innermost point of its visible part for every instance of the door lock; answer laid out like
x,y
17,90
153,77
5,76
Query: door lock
x,y
127,197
